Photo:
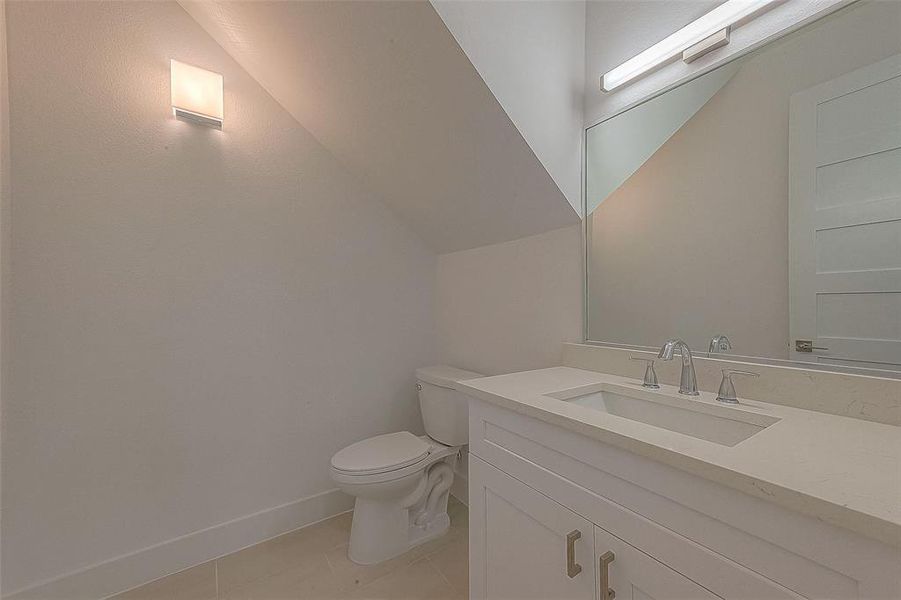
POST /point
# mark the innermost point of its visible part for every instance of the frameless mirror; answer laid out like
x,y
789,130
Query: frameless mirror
x,y
760,202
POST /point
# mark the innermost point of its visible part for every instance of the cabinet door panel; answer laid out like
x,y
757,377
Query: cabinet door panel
x,y
634,575
518,542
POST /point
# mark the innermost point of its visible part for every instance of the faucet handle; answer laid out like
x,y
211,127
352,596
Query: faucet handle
x,y
727,388
650,375
719,343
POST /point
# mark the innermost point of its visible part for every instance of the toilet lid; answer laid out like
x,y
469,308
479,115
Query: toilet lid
x,y
381,453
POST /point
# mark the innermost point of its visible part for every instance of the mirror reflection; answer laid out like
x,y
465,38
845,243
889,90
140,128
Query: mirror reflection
x,y
756,210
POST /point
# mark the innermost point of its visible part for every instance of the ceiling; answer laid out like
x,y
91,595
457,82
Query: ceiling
x,y
387,89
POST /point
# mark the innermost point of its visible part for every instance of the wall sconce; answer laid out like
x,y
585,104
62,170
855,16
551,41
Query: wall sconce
x,y
196,94
694,40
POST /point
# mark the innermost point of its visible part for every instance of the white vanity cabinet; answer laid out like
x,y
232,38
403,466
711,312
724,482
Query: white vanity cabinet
x,y
672,535
529,545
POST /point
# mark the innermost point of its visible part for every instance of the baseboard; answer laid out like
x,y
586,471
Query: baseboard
x,y
460,488
131,570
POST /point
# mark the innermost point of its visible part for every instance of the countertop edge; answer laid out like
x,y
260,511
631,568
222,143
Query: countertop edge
x,y
884,531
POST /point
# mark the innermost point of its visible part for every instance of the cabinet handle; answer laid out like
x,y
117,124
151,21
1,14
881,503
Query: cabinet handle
x,y
572,567
606,592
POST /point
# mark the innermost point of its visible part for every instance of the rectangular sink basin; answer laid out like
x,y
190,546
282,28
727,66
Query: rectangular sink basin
x,y
719,424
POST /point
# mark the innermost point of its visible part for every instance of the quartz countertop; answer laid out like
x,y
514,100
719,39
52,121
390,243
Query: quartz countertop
x,y
841,470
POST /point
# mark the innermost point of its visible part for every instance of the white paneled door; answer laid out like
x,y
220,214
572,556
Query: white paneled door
x,y
845,219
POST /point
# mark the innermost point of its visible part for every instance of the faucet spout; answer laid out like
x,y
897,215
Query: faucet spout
x,y
688,383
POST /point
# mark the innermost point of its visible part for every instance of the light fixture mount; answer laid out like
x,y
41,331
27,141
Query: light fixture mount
x,y
714,42
186,115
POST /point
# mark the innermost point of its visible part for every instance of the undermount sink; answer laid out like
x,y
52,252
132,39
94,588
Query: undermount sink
x,y
718,424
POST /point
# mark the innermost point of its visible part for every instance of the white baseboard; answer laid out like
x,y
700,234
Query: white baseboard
x,y
131,570
460,488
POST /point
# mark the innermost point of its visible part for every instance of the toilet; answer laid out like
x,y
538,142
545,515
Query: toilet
x,y
401,481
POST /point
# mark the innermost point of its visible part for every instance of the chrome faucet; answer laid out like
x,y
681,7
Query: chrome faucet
x,y
688,384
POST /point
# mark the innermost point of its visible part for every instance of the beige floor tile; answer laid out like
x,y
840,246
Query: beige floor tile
x,y
293,584
302,551
452,561
459,529
196,583
358,576
417,581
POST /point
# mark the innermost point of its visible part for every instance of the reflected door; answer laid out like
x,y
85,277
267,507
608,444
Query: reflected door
x,y
845,219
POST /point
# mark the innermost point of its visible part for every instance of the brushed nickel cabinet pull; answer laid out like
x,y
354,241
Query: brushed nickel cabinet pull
x,y
572,567
606,592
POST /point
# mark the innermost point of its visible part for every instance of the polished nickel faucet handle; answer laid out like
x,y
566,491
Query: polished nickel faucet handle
x,y
650,375
719,343
727,388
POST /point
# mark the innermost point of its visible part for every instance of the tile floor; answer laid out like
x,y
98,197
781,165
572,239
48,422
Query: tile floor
x,y
312,564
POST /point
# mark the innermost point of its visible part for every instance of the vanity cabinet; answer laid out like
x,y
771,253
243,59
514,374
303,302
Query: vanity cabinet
x,y
633,575
532,547
673,535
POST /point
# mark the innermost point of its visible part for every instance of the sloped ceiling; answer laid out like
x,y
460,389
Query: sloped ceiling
x,y
387,89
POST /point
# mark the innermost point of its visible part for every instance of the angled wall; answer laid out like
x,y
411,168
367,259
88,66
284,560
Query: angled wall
x,y
385,86
532,57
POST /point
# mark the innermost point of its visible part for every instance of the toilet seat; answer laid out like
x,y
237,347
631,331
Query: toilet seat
x,y
380,454
386,457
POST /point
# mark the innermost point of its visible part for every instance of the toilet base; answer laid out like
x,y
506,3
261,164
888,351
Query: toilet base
x,y
382,530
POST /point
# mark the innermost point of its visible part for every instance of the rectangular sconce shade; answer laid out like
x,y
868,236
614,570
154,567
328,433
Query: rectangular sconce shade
x,y
196,94
716,20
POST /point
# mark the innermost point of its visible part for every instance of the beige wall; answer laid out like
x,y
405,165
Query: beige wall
x,y
695,243
4,234
199,318
507,307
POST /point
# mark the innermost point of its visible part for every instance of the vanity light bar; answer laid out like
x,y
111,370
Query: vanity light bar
x,y
718,19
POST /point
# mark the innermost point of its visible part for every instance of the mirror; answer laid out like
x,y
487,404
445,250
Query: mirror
x,y
760,202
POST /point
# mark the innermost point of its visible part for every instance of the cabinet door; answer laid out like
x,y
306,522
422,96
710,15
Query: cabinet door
x,y
518,540
633,575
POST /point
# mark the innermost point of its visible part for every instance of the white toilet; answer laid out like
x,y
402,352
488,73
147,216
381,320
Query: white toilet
x,y
401,481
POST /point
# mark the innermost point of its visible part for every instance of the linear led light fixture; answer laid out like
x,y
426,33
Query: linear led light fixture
x,y
718,19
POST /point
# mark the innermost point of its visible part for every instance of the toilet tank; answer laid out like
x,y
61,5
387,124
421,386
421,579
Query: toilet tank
x,y
445,411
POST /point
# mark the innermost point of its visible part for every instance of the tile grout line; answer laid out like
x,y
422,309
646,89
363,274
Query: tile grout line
x,y
440,572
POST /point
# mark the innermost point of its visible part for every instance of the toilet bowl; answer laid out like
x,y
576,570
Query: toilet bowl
x,y
401,481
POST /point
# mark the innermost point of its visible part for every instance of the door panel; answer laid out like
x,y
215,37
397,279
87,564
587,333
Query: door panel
x,y
518,542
